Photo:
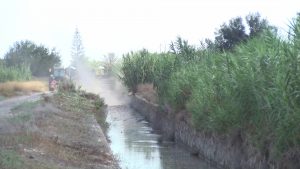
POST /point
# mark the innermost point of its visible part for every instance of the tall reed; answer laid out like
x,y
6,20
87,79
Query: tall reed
x,y
253,90
14,73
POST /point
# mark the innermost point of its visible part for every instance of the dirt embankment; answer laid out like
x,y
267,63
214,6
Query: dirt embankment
x,y
225,151
57,132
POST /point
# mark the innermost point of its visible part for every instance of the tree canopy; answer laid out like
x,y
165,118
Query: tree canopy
x,y
38,58
233,33
256,24
230,35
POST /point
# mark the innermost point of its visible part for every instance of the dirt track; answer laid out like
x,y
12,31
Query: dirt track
x,y
8,104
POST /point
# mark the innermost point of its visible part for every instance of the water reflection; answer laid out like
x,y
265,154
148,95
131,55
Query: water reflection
x,y
137,146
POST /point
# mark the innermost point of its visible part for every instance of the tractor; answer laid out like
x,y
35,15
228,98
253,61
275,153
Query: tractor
x,y
57,75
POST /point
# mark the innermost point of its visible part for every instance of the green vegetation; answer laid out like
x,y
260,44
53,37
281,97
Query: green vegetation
x,y
231,34
14,73
23,113
252,89
26,59
79,100
76,100
9,159
38,58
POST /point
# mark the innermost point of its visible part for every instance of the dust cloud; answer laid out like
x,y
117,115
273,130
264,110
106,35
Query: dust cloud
x,y
108,87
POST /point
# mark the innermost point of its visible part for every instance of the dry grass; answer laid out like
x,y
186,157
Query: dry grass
x,y
13,88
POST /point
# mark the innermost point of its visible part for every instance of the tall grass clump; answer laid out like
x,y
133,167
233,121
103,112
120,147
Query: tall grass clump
x,y
17,73
164,67
138,68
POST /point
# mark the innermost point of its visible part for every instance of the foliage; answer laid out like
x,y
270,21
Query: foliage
x,y
144,67
180,86
138,68
164,67
253,88
38,58
14,73
230,35
81,97
183,50
234,33
256,24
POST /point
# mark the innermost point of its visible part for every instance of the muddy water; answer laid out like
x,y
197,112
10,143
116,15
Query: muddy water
x,y
133,141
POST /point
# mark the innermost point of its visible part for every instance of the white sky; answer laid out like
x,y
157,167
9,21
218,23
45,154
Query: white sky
x,y
120,26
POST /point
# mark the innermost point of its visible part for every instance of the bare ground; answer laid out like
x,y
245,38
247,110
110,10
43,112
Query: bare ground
x,y
49,134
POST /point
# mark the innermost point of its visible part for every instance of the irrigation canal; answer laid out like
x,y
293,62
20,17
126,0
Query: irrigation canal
x,y
134,143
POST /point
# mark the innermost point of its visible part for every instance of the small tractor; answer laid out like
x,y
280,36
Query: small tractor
x,y
57,75
60,74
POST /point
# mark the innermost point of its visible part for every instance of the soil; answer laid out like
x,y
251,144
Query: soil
x,y
44,135
148,92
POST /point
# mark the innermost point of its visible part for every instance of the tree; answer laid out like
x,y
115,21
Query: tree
x,y
77,49
230,35
38,58
256,24
207,44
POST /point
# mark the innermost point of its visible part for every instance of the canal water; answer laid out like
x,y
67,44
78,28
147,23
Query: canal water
x,y
132,140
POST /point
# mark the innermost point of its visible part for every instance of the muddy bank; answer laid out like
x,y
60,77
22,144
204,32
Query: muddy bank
x,y
54,133
224,151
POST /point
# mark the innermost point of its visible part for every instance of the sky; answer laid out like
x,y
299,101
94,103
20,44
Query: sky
x,y
121,26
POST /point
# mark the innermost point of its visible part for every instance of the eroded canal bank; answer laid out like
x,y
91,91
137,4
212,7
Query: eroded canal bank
x,y
228,151
137,145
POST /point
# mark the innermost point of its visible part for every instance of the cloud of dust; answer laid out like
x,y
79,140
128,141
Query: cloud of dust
x,y
108,87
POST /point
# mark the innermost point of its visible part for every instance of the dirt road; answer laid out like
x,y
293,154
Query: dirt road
x,y
8,104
